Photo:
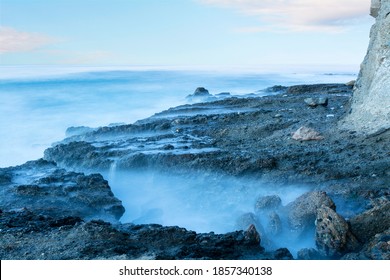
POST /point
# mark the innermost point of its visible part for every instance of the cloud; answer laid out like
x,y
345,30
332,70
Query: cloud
x,y
12,40
299,15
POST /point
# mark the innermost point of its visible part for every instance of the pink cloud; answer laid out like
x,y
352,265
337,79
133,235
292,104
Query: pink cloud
x,y
300,15
12,40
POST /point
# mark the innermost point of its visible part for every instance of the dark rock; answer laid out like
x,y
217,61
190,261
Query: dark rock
x,y
379,247
309,254
371,222
333,235
168,147
200,95
282,254
49,190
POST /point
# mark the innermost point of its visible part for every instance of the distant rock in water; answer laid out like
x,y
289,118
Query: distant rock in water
x,y
370,110
200,95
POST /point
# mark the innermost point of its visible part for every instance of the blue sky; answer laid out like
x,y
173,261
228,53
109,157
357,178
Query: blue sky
x,y
184,33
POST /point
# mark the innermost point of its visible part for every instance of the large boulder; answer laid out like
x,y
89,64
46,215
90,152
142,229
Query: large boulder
x,y
302,212
370,110
333,235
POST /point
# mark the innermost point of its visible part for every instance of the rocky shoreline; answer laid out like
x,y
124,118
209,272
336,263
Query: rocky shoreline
x,y
59,207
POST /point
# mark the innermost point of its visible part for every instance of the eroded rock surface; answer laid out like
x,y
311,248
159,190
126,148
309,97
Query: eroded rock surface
x,y
43,188
370,110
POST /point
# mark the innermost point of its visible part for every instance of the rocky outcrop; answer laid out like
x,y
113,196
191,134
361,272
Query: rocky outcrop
x,y
370,110
26,235
43,188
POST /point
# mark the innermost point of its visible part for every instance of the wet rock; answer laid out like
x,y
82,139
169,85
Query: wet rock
x,y
302,212
168,147
200,95
248,219
44,188
371,222
282,254
309,254
78,130
270,202
274,225
333,235
379,247
306,134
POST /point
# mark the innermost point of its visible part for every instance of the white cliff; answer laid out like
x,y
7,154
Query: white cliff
x,y
370,109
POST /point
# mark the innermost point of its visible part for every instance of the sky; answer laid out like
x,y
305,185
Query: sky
x,y
184,33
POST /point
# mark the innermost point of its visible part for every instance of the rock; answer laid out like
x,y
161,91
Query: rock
x,y
168,147
370,109
282,254
302,212
274,225
306,134
371,222
200,95
248,219
275,89
43,188
379,247
318,89
269,202
311,102
351,83
77,130
323,101
309,254
333,236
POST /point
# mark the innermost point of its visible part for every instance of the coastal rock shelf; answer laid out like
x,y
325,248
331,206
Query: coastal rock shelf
x,y
60,208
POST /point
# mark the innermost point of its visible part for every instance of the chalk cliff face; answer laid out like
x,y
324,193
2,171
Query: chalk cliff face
x,y
370,109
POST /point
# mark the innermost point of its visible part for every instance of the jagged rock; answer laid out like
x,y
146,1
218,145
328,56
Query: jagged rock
x,y
370,109
43,188
371,222
351,83
309,254
333,236
306,134
379,247
302,212
269,202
